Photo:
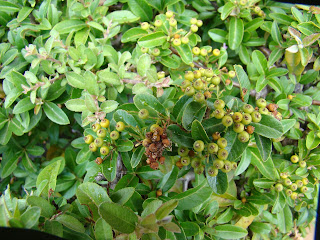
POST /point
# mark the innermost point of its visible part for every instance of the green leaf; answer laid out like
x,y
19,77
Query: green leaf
x,y
124,145
83,155
91,83
281,18
263,183
260,62
71,222
276,72
140,8
253,25
266,168
122,16
168,180
109,77
102,230
118,217
122,195
198,132
75,80
66,26
193,111
47,210
5,134
127,118
190,228
53,227
10,165
245,85
229,231
309,40
236,30
302,100
261,228
179,107
166,208
235,148
91,103
219,183
133,34
194,196
285,222
185,53
213,125
244,162
76,105
218,35
50,174
312,140
149,102
137,156
172,61
9,7
30,217
264,146
268,127
225,217
109,106
23,13
152,40
144,63
55,114
227,9
275,33
179,136
287,124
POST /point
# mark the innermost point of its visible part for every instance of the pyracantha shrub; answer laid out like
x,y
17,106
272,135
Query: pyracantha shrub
x,y
150,119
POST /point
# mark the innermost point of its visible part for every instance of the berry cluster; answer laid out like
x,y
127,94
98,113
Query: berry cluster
x,y
155,142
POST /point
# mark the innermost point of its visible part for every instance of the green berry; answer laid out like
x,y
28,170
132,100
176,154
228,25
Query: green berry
x,y
189,91
304,189
145,26
161,74
293,186
284,175
302,164
212,148
198,146
237,117
144,49
169,14
227,121
203,52
243,137
96,127
246,118
120,126
199,23
193,21
176,42
294,159
143,113
196,51
105,123
222,142
98,142
199,170
172,22
195,162
238,127
199,97
219,104
216,80
153,127
155,52
227,166
93,147
247,108
104,150
114,135
185,161
305,181
88,139
183,151
264,111
256,116
278,187
287,182
216,52
101,133
194,28
212,172
299,183
222,154
197,73
218,113
231,74
189,76
218,163
288,192
257,9
234,165
198,85
261,103
209,73
158,23
294,196
185,84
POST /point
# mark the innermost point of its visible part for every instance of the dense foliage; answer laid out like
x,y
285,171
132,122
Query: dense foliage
x,y
153,119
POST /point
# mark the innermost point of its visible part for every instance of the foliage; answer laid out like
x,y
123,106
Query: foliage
x,y
156,119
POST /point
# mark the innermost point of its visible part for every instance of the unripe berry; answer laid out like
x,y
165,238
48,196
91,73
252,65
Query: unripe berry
x,y
105,123
96,127
93,147
222,154
172,22
290,97
238,127
193,21
216,80
169,14
209,73
294,159
222,142
246,118
98,160
176,42
247,108
159,192
158,23
146,142
161,74
154,127
305,181
155,52
199,23
293,187
199,97
185,161
287,182
218,163
284,175
198,84
243,2
231,74
278,187
104,150
145,26
219,104
194,28
237,117
261,103
243,137
212,148
120,126
257,9
189,76
288,192
195,162
143,114
198,146
144,49
183,151
218,113
88,139
304,189
302,164
185,84
185,40
199,170
234,165
197,73
196,51
294,196
114,135
227,121
299,183
216,52
189,91
98,142
101,133
207,94
256,116
264,111
261,13
203,52
212,172
227,166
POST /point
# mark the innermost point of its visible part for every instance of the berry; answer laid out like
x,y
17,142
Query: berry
x,y
179,164
243,2
88,139
219,104
183,151
198,85
238,127
222,154
158,23
305,181
294,196
185,40
162,160
172,22
227,121
185,84
199,170
145,26
218,113
294,187
299,183
257,9
246,118
98,142
203,52
216,52
222,142
209,73
196,51
284,175
290,97
218,163
278,187
159,192
114,135
104,150
243,137
189,76
302,164
287,182
199,97
146,142
96,127
194,28
154,127
105,123
216,136
234,165
195,162
193,21
261,103
120,126
101,133
212,148
176,42
288,192
237,117
227,166
207,94
143,114
169,14
250,129
264,111
304,189
161,74
294,159
247,108
216,80
185,161
272,107
155,52
199,23
189,91
98,160
144,49
212,172
93,147
231,74
256,116
166,142
198,146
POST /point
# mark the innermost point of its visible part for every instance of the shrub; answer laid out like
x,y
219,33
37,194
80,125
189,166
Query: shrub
x,y
159,119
